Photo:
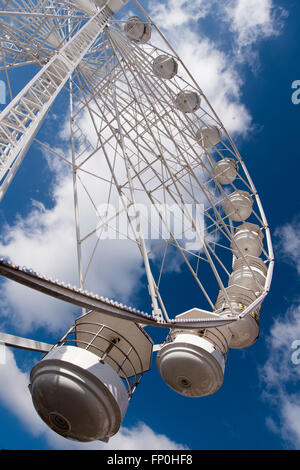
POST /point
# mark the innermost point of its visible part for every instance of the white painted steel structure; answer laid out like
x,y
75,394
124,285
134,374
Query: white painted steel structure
x,y
142,129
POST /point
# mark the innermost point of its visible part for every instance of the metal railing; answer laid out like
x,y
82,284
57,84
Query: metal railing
x,y
129,356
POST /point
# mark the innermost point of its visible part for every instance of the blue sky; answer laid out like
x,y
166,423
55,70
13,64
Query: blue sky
x,y
246,65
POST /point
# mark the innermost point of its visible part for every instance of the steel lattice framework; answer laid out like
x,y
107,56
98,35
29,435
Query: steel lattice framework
x,y
141,148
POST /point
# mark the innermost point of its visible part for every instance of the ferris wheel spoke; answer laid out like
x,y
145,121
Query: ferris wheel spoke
x,y
139,238
181,198
178,246
136,175
167,133
53,151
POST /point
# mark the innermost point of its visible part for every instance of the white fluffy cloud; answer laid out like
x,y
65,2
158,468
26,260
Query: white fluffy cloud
x,y
216,71
280,375
281,372
15,394
252,20
288,244
218,79
138,437
290,413
45,241
174,13
212,69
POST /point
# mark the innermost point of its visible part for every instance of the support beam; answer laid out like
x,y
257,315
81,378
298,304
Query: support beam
x,y
24,343
99,304
23,116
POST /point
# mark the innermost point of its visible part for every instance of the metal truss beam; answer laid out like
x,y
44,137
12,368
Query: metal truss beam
x,y
22,118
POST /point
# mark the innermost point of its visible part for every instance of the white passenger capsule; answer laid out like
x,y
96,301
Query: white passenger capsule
x,y
137,30
81,388
238,205
78,396
225,171
247,240
208,136
188,101
245,331
165,67
193,363
249,272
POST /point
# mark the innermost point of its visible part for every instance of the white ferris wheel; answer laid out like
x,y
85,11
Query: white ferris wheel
x,y
159,169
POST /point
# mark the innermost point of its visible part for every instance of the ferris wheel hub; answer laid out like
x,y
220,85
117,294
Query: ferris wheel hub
x,y
77,396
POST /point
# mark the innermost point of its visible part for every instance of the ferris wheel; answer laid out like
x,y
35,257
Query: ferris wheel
x,y
152,160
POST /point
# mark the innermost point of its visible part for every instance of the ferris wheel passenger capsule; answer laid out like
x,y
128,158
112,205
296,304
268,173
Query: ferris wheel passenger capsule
x,y
188,101
245,331
82,387
247,240
249,272
193,363
165,67
238,206
209,136
137,30
225,171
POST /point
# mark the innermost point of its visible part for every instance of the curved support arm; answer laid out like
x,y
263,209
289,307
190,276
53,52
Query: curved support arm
x,y
94,302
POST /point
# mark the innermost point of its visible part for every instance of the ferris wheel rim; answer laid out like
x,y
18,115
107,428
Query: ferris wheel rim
x,y
253,190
